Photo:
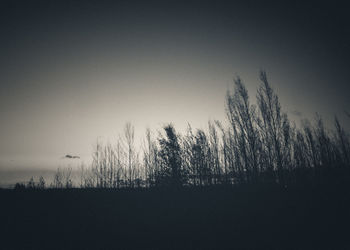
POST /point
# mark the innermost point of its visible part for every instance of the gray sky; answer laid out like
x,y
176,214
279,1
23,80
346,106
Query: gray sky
x,y
75,72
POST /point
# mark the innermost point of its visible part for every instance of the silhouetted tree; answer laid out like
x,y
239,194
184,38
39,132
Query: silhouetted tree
x,y
150,158
215,153
31,183
19,186
41,184
67,177
342,142
97,164
58,179
274,127
171,172
201,156
242,117
131,172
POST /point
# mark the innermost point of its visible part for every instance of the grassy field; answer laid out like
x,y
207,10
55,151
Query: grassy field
x,y
244,217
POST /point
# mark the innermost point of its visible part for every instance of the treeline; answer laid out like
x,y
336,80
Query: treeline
x,y
259,145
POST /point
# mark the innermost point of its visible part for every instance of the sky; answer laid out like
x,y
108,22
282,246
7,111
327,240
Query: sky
x,y
74,72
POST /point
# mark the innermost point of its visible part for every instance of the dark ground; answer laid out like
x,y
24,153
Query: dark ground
x,y
245,217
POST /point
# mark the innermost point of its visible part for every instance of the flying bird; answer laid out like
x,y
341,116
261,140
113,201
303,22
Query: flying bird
x,y
71,157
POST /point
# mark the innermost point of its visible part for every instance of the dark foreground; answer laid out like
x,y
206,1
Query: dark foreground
x,y
250,217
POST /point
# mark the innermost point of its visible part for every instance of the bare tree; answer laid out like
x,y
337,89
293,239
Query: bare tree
x,y
242,117
150,156
31,183
215,153
171,172
41,184
58,179
274,126
97,164
67,177
131,172
342,141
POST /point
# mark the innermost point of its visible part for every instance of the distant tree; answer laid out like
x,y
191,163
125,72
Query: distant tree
x,y
274,126
41,184
242,117
300,149
31,183
131,171
150,159
67,177
225,151
310,139
58,179
97,164
87,177
215,153
171,172
19,186
201,158
324,143
342,142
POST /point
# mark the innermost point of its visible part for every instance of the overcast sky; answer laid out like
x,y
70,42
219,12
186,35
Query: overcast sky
x,y
75,71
